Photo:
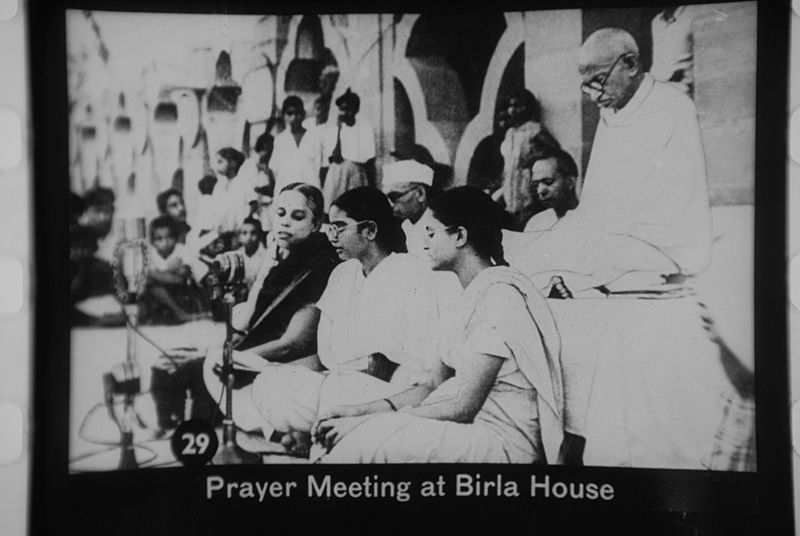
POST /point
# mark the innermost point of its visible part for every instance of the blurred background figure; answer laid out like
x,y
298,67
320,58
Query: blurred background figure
x,y
348,148
673,47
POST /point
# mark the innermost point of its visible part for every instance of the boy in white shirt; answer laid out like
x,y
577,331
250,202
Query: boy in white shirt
x,y
172,293
250,238
292,156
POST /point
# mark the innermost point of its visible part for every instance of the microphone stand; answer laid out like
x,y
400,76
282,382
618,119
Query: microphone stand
x,y
230,453
130,261
130,417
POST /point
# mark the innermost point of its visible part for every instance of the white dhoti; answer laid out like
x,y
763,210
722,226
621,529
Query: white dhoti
x,y
404,438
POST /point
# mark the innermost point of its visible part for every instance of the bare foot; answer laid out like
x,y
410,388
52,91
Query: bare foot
x,y
297,443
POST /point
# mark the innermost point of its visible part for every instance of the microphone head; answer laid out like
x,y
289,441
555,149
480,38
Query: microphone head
x,y
134,228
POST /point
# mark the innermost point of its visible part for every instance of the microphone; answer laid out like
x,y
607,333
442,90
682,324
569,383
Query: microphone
x,y
129,267
131,259
227,276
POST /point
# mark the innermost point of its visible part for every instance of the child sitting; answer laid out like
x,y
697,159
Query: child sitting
x,y
172,293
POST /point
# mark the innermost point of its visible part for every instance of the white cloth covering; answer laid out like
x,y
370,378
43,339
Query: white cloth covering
x,y
517,189
180,256
644,204
642,380
249,172
358,142
357,146
292,162
405,171
415,236
230,201
500,314
395,310
252,264
542,221
673,47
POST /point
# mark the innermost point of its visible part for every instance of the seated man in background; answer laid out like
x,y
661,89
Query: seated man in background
x,y
91,247
90,277
408,185
98,215
171,294
554,178
644,206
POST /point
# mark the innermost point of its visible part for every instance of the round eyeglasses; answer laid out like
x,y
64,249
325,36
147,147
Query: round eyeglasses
x,y
334,228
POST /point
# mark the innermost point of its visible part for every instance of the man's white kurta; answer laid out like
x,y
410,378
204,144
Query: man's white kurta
x,y
292,162
415,236
644,204
647,175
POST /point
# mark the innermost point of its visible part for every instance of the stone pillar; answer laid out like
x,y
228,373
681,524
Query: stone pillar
x,y
725,95
552,41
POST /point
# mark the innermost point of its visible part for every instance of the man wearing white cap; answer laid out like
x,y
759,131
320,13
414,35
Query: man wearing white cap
x,y
408,185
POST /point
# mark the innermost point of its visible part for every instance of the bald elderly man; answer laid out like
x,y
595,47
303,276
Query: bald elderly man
x,y
644,205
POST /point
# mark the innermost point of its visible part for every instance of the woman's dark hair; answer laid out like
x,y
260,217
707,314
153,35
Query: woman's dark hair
x,y
233,156
314,197
474,210
530,102
367,203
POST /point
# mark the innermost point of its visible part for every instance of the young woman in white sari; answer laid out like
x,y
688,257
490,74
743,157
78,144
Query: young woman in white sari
x,y
378,325
497,392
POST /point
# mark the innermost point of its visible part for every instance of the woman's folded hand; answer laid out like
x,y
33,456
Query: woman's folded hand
x,y
329,432
335,413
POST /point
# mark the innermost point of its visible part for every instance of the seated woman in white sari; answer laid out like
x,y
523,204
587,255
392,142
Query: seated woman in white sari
x,y
497,393
378,327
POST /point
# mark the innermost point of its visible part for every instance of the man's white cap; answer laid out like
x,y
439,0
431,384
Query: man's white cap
x,y
406,171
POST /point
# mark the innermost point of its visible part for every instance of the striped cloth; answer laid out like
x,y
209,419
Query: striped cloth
x,y
734,446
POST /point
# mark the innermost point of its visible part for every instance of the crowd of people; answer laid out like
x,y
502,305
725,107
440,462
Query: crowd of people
x,y
386,325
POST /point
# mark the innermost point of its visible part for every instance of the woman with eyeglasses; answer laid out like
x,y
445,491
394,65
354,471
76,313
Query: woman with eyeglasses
x,y
278,321
378,326
497,395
